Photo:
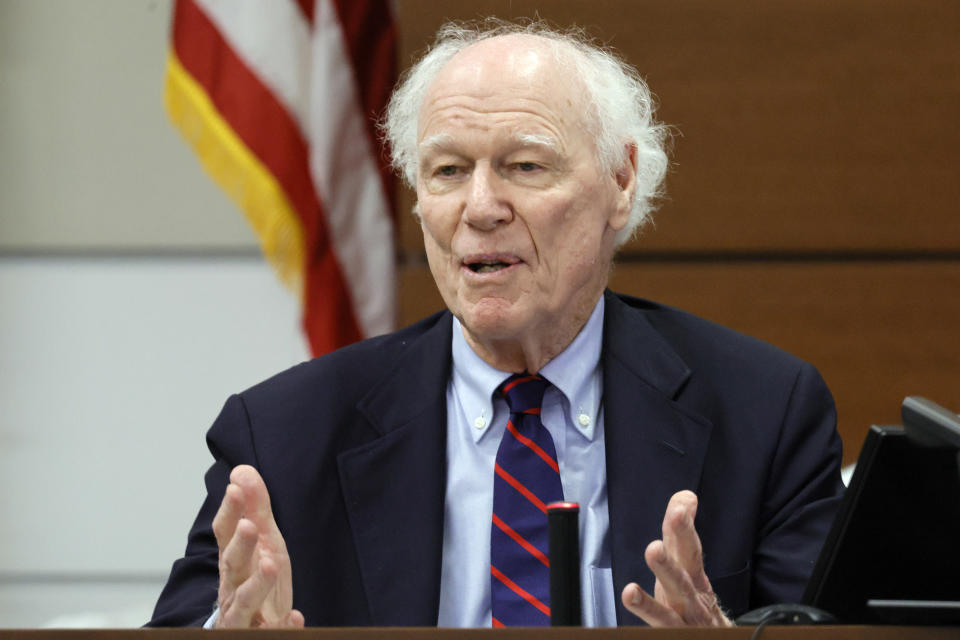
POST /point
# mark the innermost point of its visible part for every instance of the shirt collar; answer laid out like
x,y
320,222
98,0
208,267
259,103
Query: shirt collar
x,y
574,372
474,382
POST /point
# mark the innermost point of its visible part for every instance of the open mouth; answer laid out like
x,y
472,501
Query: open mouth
x,y
486,264
487,267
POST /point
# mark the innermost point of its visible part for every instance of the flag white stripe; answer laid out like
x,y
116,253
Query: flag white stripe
x,y
346,175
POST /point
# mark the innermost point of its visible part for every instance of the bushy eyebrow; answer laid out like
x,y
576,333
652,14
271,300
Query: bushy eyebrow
x,y
442,142
438,142
548,143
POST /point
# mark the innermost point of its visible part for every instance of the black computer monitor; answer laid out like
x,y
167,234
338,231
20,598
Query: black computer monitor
x,y
893,553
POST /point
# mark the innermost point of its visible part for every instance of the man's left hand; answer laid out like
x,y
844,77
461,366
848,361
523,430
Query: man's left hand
x,y
682,593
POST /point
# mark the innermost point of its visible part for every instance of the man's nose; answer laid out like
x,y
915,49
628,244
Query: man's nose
x,y
486,204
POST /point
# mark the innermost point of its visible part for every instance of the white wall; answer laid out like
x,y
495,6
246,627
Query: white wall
x,y
87,155
132,302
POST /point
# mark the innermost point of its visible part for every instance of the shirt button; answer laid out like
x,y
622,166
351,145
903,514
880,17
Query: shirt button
x,y
584,420
479,422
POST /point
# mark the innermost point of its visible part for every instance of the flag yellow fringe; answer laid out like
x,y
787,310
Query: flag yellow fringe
x,y
235,168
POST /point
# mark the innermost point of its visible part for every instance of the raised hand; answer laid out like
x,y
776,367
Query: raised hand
x,y
682,593
256,588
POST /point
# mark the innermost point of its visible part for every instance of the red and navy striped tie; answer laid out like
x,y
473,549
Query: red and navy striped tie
x,y
526,479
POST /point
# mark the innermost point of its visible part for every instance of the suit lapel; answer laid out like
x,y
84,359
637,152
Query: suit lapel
x,y
394,486
654,446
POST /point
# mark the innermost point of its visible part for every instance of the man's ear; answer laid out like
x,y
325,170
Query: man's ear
x,y
626,179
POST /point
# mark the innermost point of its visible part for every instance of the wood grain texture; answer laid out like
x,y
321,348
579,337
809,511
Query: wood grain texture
x,y
876,331
813,125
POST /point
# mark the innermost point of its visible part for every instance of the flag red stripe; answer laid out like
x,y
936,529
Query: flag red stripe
x,y
270,132
329,319
371,39
533,446
513,586
307,7
516,484
496,623
519,539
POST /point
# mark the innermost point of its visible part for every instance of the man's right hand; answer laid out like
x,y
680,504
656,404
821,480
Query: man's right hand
x,y
256,586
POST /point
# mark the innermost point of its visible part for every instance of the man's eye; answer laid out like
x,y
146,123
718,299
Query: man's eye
x,y
526,167
447,171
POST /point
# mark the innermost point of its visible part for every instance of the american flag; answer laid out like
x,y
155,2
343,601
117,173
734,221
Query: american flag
x,y
279,101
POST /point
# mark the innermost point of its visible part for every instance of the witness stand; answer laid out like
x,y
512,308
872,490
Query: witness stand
x,y
375,633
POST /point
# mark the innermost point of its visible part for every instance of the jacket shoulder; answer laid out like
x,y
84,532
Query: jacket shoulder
x,y
704,343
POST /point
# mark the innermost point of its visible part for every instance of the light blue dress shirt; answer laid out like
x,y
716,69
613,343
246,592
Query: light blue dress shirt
x,y
572,412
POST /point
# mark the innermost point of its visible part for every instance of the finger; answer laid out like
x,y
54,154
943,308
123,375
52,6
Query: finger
x,y
237,559
270,540
227,516
679,592
247,608
295,619
654,613
256,498
681,539
712,605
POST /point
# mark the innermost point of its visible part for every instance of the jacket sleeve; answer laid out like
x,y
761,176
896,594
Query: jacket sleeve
x,y
802,493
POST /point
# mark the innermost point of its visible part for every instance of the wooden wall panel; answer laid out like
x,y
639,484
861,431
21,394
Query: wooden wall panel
x,y
876,331
816,125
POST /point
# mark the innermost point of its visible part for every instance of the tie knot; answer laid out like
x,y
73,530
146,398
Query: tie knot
x,y
524,391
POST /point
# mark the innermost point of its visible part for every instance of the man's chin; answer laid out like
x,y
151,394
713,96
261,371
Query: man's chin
x,y
493,323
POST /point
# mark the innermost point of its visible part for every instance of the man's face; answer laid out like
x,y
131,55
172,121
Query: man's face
x,y
518,218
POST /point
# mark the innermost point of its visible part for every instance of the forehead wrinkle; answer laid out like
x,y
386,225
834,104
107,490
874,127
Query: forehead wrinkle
x,y
501,95
519,124
500,102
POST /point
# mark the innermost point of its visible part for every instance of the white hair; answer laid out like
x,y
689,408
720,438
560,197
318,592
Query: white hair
x,y
620,106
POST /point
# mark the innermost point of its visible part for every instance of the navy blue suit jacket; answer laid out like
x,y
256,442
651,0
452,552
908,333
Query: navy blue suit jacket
x,y
352,449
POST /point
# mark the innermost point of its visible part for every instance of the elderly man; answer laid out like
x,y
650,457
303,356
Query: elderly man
x,y
402,480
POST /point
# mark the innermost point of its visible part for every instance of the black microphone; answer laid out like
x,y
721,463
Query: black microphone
x,y
562,519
